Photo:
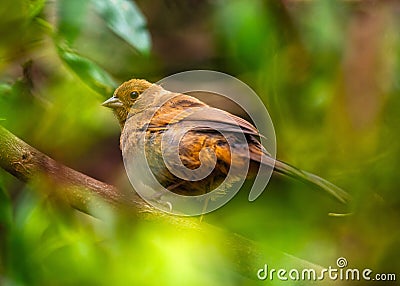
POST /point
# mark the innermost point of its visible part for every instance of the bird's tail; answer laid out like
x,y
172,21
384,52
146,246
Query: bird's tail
x,y
308,178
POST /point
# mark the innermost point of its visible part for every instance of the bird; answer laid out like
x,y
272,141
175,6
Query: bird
x,y
134,100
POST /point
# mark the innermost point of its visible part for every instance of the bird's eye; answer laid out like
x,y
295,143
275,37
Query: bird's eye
x,y
134,94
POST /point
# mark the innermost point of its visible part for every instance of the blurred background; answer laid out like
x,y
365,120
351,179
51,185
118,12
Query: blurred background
x,y
327,71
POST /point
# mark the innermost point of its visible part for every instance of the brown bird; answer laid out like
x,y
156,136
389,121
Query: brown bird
x,y
145,106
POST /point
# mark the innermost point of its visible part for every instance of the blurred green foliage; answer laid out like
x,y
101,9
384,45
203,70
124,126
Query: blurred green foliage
x,y
328,72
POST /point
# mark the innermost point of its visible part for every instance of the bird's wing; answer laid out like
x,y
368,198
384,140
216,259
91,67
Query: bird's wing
x,y
219,121
216,120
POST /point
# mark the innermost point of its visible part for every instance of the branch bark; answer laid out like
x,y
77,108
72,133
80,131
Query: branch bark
x,y
78,190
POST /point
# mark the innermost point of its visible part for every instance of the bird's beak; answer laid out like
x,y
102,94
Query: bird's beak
x,y
112,102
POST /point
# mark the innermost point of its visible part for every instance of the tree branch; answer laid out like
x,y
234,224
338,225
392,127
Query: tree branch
x,y
78,190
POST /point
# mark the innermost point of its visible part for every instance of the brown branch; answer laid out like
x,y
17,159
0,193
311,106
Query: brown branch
x,y
88,194
78,190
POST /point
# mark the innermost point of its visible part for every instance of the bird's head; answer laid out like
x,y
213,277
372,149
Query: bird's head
x,y
125,96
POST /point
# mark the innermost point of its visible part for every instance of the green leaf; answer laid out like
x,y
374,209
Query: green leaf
x,y
34,7
5,208
89,72
71,18
5,88
125,19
